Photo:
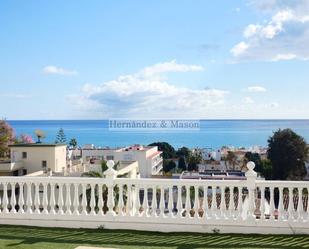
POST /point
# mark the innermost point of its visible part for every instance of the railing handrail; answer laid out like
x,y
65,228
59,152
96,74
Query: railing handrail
x,y
247,203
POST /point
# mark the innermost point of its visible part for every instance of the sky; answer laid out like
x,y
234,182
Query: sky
x,y
240,59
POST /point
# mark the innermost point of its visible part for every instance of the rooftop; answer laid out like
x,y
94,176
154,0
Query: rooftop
x,y
136,147
214,175
37,145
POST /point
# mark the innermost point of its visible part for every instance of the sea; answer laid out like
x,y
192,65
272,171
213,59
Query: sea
x,y
213,134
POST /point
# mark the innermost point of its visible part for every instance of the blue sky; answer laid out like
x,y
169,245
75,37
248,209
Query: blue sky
x,y
153,59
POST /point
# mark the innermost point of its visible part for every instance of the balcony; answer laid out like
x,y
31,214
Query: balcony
x,y
166,205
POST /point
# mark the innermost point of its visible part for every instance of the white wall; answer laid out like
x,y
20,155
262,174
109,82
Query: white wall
x,y
55,156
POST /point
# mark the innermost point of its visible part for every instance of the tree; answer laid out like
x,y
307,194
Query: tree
x,y
267,169
194,159
287,152
231,158
73,142
256,158
7,137
103,165
182,163
167,149
183,152
92,173
60,138
168,165
25,139
264,167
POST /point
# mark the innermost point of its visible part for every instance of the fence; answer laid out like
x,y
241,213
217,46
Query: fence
x,y
227,206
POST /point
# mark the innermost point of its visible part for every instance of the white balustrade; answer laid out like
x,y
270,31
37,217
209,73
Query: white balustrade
x,y
157,200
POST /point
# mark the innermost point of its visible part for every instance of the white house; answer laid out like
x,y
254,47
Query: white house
x,y
148,157
35,157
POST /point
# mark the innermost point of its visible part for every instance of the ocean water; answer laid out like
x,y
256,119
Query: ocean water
x,y
212,134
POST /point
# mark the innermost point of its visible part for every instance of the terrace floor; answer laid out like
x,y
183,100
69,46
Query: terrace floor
x,y
48,238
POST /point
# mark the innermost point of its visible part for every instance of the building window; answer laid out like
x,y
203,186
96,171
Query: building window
x,y
24,155
109,158
44,164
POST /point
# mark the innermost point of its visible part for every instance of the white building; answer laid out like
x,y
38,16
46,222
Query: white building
x,y
210,154
148,157
33,157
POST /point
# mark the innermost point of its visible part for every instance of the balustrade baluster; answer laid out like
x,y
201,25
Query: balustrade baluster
x,y
29,198
110,200
205,203
214,206
152,205
291,204
84,199
36,198
76,199
271,204
179,201
52,202
170,201
120,201
188,202
137,205
145,202
100,199
129,200
262,203
281,207
231,207
196,201
92,199
21,200
13,198
162,202
223,203
300,207
60,199
5,200
239,204
45,201
68,202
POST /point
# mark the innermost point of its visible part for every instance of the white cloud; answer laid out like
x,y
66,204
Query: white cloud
x,y
248,100
285,33
239,49
251,30
255,89
171,66
145,95
58,70
237,9
280,57
15,95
